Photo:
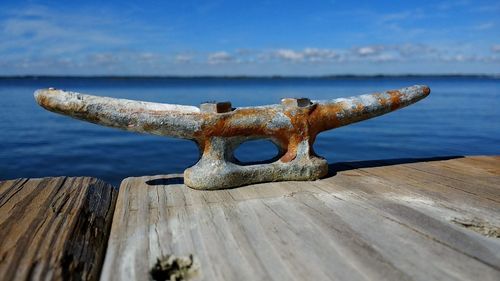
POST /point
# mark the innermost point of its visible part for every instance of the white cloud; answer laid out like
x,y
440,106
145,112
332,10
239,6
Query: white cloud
x,y
385,58
404,53
305,55
102,59
368,50
220,57
289,55
183,58
36,39
37,30
314,54
454,58
410,50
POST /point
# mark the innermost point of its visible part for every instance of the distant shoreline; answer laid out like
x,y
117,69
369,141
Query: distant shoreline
x,y
251,77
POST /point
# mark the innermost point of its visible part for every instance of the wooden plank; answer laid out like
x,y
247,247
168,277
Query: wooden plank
x,y
54,228
380,220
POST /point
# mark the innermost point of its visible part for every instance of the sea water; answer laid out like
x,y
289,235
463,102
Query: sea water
x,y
460,117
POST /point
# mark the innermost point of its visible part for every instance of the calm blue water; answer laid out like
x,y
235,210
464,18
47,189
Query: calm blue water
x,y
460,117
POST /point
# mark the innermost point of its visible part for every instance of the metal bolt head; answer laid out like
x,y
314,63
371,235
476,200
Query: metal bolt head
x,y
295,102
216,107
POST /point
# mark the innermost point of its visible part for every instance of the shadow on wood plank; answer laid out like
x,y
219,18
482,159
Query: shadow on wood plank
x,y
166,181
352,165
333,168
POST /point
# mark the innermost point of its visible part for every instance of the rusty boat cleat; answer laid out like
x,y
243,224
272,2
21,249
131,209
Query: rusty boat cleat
x,y
218,129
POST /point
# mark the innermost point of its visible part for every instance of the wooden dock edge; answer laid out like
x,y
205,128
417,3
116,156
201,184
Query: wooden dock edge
x,y
402,219
54,228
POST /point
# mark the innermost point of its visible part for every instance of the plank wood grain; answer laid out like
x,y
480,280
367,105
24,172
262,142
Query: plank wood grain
x,y
54,228
371,220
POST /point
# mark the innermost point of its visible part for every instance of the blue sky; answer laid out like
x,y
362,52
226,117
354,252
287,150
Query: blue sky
x,y
249,37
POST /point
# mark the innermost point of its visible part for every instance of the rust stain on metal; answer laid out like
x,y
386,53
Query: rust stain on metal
x,y
395,99
219,129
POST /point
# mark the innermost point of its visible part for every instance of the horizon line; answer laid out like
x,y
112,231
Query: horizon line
x,y
326,76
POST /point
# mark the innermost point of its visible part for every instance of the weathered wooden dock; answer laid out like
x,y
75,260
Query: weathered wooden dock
x,y
405,219
54,228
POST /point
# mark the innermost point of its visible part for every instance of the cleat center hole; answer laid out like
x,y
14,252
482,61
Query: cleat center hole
x,y
256,151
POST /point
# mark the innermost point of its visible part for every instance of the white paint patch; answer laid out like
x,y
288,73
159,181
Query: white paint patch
x,y
170,107
368,100
131,104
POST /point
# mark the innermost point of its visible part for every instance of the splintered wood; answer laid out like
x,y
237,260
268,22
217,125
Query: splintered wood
x,y
435,219
54,228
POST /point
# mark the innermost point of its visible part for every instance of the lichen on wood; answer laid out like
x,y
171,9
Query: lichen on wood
x,y
174,268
